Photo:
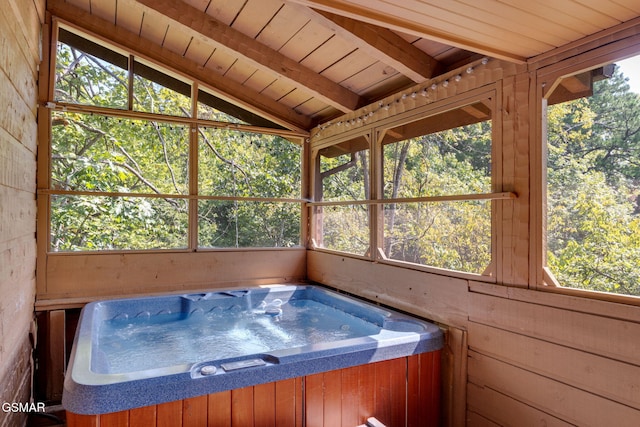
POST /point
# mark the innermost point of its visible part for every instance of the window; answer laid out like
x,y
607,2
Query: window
x,y
136,164
343,177
104,155
593,180
246,165
423,198
425,163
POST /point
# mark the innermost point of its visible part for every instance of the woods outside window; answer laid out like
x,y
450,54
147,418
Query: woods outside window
x,y
592,174
421,195
143,159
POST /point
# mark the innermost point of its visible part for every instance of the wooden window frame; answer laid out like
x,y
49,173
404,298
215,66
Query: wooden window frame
x,y
550,69
374,132
45,190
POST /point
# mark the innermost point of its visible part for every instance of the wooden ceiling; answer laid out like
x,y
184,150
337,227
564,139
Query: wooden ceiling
x,y
299,63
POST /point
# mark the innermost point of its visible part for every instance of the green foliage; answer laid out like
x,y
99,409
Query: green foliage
x,y
593,234
84,79
451,235
152,97
151,160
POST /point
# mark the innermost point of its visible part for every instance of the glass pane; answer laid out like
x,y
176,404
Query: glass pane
x,y
99,153
156,92
593,180
344,228
443,162
97,78
235,224
344,171
242,164
88,223
451,235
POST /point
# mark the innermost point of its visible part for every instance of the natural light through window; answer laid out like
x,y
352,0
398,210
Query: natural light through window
x,y
593,180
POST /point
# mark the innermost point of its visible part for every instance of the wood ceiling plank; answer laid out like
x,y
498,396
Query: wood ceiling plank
x,y
176,40
294,98
153,30
381,88
371,76
330,52
225,88
526,23
589,18
401,18
105,9
255,15
278,89
311,107
256,53
225,10
199,52
128,17
437,50
472,23
259,80
220,61
350,65
305,41
282,27
323,115
240,71
383,45
611,8
633,5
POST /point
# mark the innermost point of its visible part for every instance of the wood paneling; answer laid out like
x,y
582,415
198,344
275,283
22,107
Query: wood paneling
x,y
552,397
20,25
544,364
398,392
440,298
507,30
607,337
15,382
88,276
590,372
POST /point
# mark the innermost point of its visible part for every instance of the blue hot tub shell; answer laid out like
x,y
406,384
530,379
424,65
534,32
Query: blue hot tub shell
x,y
91,387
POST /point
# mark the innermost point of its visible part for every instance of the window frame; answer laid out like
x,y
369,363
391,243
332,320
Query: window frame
x,y
548,75
192,123
374,133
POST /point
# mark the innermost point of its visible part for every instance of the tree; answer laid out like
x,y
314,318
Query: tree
x,y
451,235
593,186
140,169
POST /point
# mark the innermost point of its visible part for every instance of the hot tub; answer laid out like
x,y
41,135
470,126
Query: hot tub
x,y
132,353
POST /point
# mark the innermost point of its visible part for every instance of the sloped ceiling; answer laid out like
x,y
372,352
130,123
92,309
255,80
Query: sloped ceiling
x,y
299,63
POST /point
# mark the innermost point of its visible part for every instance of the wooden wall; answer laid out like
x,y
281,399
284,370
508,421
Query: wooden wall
x,y
20,24
517,353
71,279
514,357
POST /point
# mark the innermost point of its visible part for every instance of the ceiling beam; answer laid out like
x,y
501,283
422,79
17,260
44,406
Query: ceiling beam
x,y
225,88
353,9
383,45
259,55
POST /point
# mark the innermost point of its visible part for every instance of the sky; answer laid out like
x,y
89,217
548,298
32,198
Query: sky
x,y
631,69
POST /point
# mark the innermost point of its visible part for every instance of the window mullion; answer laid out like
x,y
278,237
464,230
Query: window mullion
x,y
193,172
